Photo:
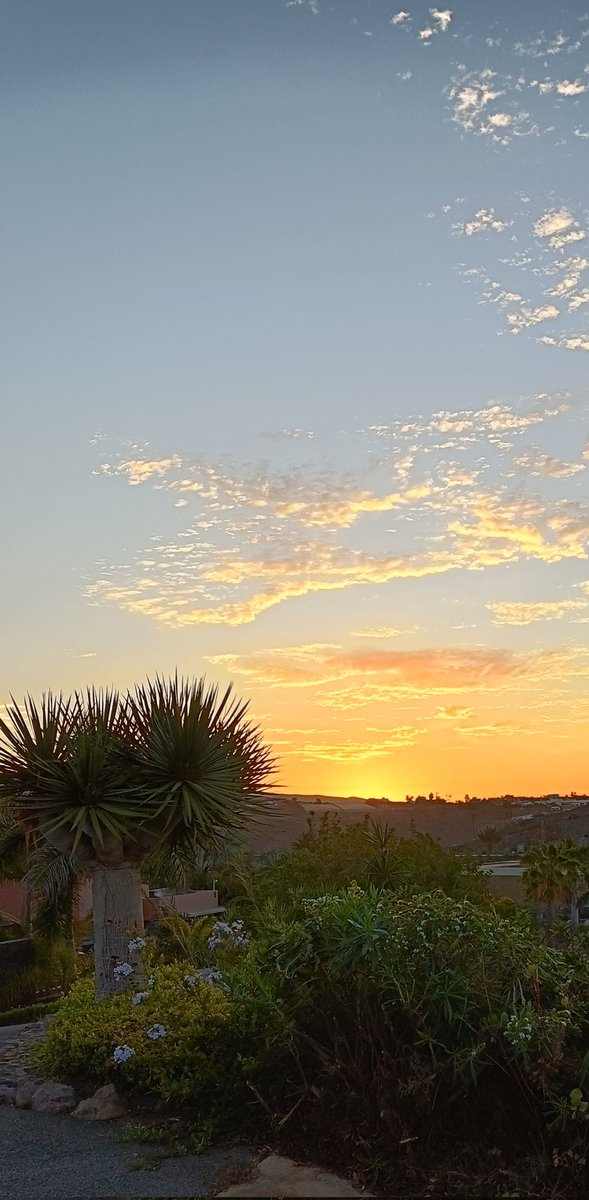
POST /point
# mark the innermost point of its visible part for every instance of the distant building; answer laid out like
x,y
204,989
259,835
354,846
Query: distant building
x,y
505,879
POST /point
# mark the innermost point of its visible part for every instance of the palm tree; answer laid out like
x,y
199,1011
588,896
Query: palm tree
x,y
490,836
106,781
51,880
557,870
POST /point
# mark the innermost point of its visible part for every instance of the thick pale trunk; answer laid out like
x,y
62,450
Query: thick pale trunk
x,y
118,917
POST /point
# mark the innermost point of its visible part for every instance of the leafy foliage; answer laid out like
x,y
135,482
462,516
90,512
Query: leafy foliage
x,y
328,856
177,1065
558,871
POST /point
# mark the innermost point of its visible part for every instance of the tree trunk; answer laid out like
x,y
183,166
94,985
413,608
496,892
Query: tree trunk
x,y
118,917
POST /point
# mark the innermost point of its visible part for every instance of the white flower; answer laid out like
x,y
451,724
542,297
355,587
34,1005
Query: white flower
x,y
137,943
222,930
122,1053
139,997
123,970
210,974
156,1031
150,981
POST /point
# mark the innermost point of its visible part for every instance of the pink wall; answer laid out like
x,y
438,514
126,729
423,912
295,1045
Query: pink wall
x,y
13,899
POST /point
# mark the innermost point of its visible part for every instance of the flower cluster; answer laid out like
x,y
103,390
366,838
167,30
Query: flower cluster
x,y
156,1032
122,1053
518,1028
123,970
139,997
136,944
222,932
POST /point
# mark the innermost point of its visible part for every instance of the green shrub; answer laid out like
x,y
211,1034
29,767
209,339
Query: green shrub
x,y
419,1021
32,1012
328,856
178,1066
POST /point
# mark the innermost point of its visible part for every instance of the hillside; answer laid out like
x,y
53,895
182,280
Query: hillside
x,y
452,824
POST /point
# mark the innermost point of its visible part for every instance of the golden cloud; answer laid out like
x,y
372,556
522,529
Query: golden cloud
x,y
447,670
400,738
522,613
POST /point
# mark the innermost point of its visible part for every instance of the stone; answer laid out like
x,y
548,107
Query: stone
x,y
53,1098
277,1176
7,1093
104,1105
25,1090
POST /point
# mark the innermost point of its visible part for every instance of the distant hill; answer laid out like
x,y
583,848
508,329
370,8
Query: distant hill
x,y
452,824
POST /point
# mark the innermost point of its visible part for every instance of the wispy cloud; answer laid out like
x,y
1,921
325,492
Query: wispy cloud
x,y
379,632
472,96
343,750
525,613
540,281
255,537
453,712
409,671
535,462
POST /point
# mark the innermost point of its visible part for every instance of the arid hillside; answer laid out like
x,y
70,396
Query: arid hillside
x,y
453,824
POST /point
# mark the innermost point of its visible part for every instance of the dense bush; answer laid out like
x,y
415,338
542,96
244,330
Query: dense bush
x,y
156,1039
399,1028
422,1025
329,855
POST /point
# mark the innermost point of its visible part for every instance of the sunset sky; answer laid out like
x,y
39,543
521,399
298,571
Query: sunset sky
x,y
295,374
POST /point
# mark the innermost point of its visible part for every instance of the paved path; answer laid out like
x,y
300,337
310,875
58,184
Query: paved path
x,y
9,1032
56,1158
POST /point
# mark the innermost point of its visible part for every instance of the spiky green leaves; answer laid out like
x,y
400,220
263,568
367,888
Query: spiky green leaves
x,y
108,778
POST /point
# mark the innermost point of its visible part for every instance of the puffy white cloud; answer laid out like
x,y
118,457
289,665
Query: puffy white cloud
x,y
567,342
570,87
442,17
553,222
527,317
483,221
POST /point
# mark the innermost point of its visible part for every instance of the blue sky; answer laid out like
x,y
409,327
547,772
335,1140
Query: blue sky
x,y
251,253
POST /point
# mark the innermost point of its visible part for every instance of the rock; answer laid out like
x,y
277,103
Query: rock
x,y
53,1098
7,1093
25,1090
277,1176
104,1105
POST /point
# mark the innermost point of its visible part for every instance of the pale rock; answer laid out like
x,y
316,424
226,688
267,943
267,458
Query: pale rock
x,y
277,1176
104,1105
53,1098
25,1090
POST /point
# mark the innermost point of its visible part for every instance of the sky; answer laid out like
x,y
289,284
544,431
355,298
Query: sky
x,y
294,374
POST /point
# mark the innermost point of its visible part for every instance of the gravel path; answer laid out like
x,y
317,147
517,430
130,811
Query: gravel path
x,y
56,1158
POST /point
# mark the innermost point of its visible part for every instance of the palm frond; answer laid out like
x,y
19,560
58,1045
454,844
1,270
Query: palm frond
x,y
197,762
13,847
